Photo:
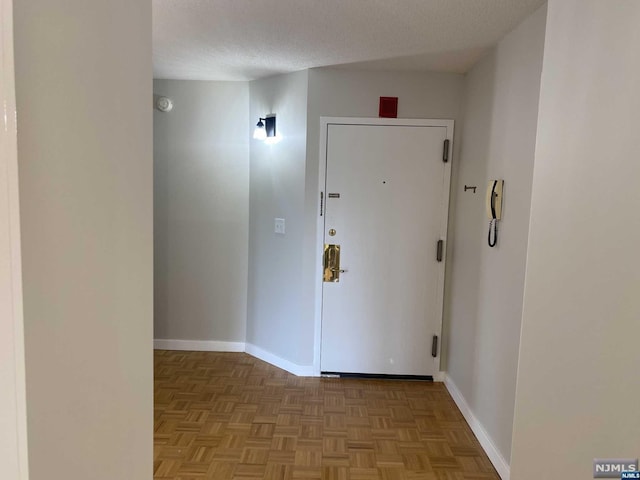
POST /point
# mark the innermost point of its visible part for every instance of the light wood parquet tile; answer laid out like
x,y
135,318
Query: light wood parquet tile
x,y
230,416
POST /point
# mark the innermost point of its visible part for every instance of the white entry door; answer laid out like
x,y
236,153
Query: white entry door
x,y
386,200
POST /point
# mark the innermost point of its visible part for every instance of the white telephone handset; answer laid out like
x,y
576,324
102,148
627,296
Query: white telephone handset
x,y
494,208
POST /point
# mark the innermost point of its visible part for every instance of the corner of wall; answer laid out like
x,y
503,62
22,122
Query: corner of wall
x,y
486,285
276,319
499,462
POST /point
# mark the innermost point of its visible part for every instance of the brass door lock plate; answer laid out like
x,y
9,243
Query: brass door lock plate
x,y
331,263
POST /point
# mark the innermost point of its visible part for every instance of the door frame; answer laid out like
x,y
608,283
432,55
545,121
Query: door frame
x,y
320,225
13,414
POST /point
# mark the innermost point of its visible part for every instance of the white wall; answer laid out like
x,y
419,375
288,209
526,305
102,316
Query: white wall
x,y
578,388
13,419
83,88
348,93
201,210
275,317
484,299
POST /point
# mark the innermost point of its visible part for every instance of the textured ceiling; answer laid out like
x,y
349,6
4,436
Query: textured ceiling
x,y
248,39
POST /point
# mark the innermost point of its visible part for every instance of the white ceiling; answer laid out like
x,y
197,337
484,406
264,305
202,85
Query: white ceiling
x,y
248,39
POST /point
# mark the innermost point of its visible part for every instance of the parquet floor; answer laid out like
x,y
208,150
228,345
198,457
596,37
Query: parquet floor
x,y
232,416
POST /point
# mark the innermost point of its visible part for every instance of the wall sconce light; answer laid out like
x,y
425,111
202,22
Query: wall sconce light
x,y
265,129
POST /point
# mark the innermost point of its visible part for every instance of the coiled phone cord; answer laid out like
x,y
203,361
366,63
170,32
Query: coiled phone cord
x,y
493,225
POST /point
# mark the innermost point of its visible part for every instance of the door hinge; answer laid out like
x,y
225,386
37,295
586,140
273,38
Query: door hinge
x,y
321,202
439,249
434,346
445,151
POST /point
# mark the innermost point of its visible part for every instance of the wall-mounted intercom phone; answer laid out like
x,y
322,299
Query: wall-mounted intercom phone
x,y
494,209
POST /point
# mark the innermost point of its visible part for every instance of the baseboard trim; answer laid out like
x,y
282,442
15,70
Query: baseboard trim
x,y
218,346
198,345
439,376
299,370
498,461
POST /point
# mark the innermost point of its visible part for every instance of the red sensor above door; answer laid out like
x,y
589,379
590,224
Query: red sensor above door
x,y
388,107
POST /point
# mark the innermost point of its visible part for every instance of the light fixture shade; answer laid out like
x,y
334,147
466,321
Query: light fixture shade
x,y
260,133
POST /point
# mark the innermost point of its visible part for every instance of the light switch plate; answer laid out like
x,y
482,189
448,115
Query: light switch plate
x,y
279,226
